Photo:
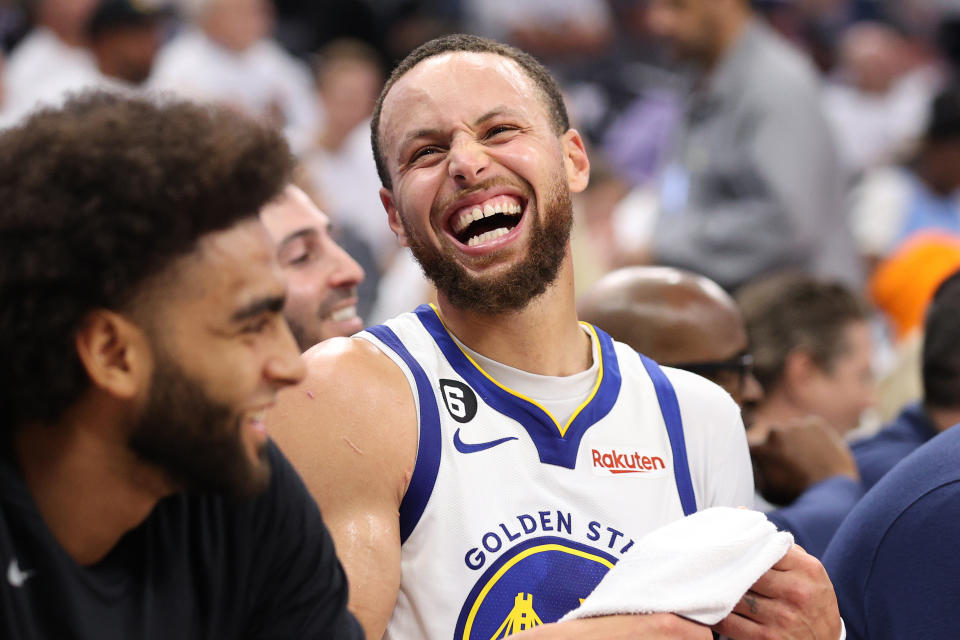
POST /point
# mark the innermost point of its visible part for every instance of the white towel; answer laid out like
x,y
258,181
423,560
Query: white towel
x,y
697,567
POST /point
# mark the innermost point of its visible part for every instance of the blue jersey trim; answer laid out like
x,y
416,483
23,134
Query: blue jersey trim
x,y
670,409
428,451
552,447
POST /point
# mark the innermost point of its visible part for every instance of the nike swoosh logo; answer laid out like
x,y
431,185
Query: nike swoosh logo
x,y
15,576
463,447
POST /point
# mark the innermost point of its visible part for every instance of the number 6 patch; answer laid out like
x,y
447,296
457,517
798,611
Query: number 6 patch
x,y
460,399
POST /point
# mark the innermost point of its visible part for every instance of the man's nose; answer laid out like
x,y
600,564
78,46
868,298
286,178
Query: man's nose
x,y
284,366
467,161
751,391
348,272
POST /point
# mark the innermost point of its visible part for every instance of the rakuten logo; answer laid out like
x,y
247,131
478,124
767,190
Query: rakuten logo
x,y
618,462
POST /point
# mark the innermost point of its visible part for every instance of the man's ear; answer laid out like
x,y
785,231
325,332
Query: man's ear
x,y
393,216
798,369
115,352
575,161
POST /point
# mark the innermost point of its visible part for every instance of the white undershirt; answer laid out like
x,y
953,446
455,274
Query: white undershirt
x,y
560,395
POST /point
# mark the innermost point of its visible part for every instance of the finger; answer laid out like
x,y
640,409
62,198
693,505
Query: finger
x,y
796,557
739,627
797,567
754,606
773,584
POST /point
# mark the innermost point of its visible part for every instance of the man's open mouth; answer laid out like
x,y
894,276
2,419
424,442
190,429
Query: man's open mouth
x,y
488,220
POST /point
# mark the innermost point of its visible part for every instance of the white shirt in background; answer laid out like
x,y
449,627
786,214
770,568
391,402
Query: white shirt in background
x,y
41,70
261,80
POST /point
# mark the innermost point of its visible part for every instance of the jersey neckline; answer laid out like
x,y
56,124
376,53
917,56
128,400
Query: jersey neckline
x,y
555,444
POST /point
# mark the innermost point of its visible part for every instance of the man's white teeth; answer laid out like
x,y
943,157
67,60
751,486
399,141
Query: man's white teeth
x,y
486,237
257,423
464,219
347,313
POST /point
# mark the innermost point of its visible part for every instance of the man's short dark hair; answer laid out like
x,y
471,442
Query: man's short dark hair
x,y
553,99
794,311
944,121
941,347
97,197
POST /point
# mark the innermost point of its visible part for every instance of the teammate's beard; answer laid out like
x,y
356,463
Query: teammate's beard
x,y
196,440
513,289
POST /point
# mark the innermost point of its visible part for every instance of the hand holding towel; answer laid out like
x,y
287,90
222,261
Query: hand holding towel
x,y
698,567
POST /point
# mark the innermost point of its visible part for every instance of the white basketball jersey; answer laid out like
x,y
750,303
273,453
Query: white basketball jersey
x,y
512,518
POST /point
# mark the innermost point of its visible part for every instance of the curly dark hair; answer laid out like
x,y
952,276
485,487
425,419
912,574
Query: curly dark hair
x,y
796,311
548,87
98,196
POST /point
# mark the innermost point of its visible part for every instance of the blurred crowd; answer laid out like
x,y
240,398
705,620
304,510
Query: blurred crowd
x,y
822,139
774,198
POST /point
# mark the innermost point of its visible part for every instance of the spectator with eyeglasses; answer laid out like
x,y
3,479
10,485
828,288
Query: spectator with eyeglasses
x,y
806,477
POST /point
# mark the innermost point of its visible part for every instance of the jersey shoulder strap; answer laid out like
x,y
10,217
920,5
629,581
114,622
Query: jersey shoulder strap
x,y
670,409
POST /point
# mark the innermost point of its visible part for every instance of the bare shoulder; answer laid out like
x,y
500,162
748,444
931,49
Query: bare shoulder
x,y
343,362
353,411
348,374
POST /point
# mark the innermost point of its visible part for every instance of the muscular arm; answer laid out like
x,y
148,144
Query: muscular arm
x,y
350,429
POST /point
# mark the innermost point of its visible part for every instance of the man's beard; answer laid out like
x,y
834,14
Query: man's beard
x,y
194,439
310,331
513,289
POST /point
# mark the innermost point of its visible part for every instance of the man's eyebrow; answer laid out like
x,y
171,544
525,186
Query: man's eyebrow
x,y
299,233
415,135
493,113
272,304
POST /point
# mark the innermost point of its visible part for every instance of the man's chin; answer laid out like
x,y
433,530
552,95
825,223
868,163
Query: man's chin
x,y
339,328
257,481
256,476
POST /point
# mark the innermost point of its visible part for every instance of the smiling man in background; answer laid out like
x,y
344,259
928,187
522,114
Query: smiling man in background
x,y
321,277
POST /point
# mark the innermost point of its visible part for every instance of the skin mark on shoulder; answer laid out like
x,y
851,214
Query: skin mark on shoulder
x,y
352,445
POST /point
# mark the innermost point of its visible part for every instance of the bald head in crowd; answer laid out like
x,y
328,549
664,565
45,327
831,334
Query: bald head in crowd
x,y
678,318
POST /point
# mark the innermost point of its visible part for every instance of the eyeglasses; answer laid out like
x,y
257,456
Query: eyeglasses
x,y
741,365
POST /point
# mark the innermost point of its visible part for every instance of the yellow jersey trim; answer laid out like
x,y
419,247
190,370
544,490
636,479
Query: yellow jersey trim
x,y
563,430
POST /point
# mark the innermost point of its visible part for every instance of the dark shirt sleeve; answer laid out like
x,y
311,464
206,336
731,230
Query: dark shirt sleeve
x,y
880,453
816,515
303,591
913,584
876,457
896,573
